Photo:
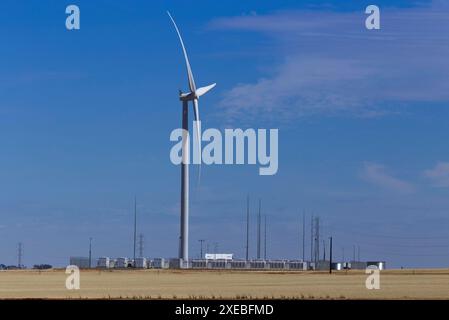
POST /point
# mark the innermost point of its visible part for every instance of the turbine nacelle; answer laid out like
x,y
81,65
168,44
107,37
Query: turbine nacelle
x,y
189,96
186,96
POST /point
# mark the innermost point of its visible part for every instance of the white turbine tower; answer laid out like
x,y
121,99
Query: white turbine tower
x,y
193,96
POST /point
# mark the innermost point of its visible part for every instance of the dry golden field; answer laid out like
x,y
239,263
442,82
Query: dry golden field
x,y
196,284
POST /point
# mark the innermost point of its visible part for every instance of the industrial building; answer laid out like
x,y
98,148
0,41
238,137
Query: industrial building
x,y
224,261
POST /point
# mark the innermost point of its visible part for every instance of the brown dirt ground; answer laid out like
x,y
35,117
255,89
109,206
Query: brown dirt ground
x,y
202,284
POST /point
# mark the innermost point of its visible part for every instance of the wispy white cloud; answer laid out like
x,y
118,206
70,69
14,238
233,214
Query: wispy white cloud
x,y
377,174
439,175
332,65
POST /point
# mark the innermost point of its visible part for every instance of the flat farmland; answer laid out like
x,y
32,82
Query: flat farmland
x,y
209,284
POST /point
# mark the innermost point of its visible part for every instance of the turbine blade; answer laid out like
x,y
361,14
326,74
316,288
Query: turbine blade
x,y
196,110
192,86
203,90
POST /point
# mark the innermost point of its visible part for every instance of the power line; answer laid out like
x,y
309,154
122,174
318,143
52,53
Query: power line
x,y
402,254
400,245
378,235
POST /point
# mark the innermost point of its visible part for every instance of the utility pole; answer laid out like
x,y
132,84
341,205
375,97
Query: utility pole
x,y
201,249
19,255
330,255
265,238
311,238
90,252
317,240
303,236
358,253
343,253
141,245
324,250
258,232
135,227
247,228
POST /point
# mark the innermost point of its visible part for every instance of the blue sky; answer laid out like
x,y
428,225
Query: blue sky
x,y
85,118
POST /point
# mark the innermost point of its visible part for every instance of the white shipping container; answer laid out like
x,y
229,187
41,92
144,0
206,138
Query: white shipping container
x,y
103,262
141,263
159,263
121,263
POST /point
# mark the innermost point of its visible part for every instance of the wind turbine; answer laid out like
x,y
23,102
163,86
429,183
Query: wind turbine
x,y
193,95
